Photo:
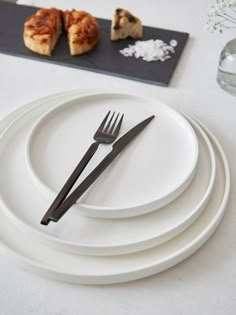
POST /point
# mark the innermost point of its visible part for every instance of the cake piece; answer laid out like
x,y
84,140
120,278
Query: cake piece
x,y
124,25
42,30
82,31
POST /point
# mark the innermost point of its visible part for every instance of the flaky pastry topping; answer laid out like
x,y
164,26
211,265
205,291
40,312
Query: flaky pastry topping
x,y
43,22
81,23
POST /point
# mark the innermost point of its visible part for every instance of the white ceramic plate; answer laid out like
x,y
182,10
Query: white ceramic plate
x,y
100,236
150,173
102,270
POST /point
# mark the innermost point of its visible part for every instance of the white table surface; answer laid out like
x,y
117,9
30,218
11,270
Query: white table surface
x,y
205,283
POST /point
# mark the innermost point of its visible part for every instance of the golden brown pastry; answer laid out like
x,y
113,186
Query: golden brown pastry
x,y
42,30
82,31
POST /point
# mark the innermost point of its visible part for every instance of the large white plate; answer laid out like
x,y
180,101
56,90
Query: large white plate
x,y
98,236
152,171
103,236
101,270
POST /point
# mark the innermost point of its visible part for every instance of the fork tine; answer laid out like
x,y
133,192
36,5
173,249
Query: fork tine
x,y
100,128
116,131
109,123
113,125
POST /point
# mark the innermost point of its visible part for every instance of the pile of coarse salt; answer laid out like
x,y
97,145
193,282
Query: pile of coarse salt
x,y
150,50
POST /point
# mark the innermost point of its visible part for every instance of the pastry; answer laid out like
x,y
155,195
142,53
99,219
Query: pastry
x,y
82,31
42,30
124,25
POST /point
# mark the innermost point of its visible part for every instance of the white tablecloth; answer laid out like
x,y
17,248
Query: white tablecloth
x,y
206,282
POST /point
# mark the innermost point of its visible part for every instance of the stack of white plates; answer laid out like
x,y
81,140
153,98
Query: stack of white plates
x,y
155,205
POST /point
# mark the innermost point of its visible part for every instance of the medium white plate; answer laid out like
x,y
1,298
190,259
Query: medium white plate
x,y
150,173
102,270
99,236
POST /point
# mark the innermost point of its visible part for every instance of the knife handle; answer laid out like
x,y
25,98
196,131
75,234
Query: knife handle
x,y
70,182
81,189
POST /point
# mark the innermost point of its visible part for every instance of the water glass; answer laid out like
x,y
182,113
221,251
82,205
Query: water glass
x,y
226,74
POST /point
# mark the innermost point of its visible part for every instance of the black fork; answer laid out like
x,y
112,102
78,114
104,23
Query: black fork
x,y
106,133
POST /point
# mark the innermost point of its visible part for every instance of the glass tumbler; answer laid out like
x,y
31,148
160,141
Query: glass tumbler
x,y
226,74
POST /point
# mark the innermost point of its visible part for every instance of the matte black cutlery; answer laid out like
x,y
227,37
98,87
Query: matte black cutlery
x,y
117,147
106,133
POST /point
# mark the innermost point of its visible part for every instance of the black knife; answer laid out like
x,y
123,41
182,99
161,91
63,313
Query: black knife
x,y
117,147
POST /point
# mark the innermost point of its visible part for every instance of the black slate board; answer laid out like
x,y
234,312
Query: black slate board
x,y
104,58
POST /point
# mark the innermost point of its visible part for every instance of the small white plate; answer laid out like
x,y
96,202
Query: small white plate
x,y
150,173
94,236
103,270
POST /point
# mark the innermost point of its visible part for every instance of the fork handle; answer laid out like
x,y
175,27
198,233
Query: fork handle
x,y
70,182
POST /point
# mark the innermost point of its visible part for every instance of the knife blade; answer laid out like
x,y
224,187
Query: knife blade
x,y
117,147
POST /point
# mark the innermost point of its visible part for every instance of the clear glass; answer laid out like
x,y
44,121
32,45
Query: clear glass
x,y
226,75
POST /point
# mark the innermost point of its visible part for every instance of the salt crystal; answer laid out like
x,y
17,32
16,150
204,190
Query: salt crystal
x,y
150,50
173,43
